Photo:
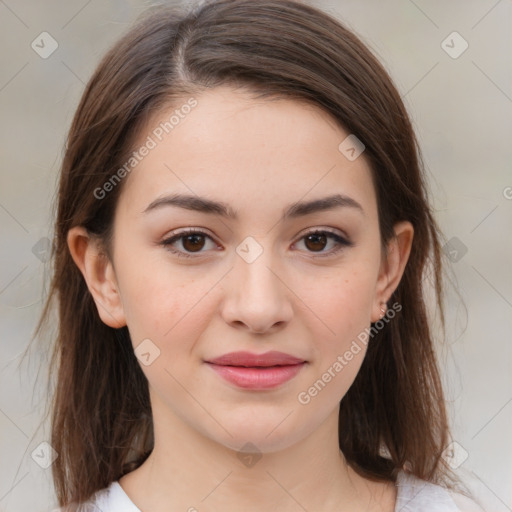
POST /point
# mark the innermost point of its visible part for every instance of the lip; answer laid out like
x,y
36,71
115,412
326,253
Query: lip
x,y
272,358
257,371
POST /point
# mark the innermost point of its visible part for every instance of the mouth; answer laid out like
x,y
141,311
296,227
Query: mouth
x,y
257,371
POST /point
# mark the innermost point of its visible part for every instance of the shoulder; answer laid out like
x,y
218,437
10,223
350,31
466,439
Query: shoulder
x,y
465,504
416,495
111,499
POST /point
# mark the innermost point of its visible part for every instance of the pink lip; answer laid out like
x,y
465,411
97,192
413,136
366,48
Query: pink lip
x,y
257,371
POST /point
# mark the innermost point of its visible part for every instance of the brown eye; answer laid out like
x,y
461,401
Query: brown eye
x,y
316,241
193,242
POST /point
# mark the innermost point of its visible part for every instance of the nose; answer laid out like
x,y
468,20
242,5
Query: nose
x,y
257,298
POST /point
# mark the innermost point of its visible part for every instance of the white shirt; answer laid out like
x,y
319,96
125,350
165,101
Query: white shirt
x,y
413,495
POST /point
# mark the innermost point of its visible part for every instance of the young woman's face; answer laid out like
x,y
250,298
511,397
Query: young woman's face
x,y
257,281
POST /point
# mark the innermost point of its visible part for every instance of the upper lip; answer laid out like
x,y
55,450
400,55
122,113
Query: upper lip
x,y
272,358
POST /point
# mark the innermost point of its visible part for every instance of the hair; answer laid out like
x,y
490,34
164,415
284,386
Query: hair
x,y
393,416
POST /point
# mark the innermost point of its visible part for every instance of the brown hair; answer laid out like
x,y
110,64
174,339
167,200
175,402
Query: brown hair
x,y
101,413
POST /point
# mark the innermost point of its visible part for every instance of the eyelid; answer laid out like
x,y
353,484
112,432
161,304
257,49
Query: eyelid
x,y
342,241
320,229
179,234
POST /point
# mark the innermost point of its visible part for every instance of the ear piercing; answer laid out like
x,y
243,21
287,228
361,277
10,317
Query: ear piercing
x,y
383,309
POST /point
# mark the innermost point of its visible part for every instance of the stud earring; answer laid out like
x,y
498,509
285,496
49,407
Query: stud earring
x,y
383,309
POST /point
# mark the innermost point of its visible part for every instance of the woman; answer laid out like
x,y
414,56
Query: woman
x,y
242,239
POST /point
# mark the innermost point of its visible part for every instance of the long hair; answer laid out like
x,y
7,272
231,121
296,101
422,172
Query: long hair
x,y
393,416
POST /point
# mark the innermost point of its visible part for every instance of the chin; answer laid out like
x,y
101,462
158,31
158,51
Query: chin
x,y
257,442
269,434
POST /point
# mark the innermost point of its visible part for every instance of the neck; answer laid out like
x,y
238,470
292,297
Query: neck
x,y
189,471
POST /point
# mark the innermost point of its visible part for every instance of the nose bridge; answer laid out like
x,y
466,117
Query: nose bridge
x,y
257,296
254,267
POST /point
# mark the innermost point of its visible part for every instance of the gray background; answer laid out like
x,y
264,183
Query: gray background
x,y
461,108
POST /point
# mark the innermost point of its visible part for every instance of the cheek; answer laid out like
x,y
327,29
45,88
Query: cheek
x,y
340,339
343,303
163,304
340,319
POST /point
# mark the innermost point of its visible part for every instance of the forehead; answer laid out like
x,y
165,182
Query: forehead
x,y
246,152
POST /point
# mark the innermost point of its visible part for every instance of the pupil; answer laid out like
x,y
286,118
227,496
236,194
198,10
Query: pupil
x,y
194,243
315,237
318,241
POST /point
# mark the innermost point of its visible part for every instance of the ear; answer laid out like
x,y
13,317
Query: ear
x,y
392,267
99,275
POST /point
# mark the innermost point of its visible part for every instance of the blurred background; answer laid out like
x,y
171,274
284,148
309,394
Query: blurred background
x,y
451,61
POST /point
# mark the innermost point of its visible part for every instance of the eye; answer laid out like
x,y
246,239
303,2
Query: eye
x,y
192,241
316,240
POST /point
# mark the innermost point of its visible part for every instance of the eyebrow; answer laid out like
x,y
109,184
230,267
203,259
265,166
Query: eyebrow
x,y
298,209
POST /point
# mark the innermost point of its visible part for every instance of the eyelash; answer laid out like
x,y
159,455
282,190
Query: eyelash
x,y
342,242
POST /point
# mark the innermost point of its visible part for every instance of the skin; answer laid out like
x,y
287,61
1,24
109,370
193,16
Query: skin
x,y
258,157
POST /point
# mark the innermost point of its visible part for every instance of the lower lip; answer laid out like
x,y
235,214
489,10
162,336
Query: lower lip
x,y
257,378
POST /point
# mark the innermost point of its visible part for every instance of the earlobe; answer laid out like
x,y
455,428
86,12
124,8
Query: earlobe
x,y
393,266
98,273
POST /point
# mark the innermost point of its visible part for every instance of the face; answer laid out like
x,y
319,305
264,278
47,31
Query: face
x,y
256,274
